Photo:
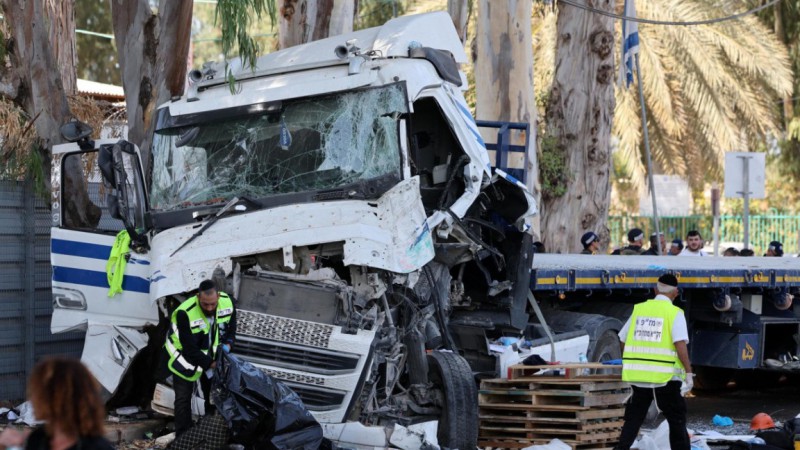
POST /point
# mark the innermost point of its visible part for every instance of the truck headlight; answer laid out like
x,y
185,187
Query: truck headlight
x,y
64,298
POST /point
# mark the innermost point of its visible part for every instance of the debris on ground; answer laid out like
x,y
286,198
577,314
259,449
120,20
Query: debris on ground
x,y
722,421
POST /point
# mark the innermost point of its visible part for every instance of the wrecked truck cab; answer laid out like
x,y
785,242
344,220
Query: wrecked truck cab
x,y
343,194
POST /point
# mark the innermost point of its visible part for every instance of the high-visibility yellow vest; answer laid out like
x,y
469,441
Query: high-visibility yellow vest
x,y
115,267
650,355
199,324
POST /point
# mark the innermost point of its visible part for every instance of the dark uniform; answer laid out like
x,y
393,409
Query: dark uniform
x,y
191,346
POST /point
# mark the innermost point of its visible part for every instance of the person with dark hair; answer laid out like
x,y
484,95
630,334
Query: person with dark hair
x,y
200,326
694,245
731,251
538,247
775,249
654,241
746,252
66,396
635,241
655,361
675,247
590,243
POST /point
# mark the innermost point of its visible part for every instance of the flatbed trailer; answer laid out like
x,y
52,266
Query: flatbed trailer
x,y
739,309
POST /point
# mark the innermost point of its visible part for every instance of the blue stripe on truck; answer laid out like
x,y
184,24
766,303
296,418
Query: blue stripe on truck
x,y
86,250
98,279
83,249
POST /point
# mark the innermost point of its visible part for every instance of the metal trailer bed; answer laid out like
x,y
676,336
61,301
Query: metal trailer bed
x,y
568,272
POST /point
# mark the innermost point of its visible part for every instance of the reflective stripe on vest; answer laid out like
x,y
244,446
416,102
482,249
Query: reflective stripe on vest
x,y
180,366
649,355
199,325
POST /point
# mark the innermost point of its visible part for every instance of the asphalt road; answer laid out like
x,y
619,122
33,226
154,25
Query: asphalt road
x,y
780,400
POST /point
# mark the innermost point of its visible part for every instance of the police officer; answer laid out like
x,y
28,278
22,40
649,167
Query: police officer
x,y
775,249
200,325
635,241
655,361
590,242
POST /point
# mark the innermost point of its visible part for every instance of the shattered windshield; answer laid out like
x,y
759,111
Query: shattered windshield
x,y
305,145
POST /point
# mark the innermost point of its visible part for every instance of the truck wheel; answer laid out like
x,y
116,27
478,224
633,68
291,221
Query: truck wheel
x,y
602,331
458,424
606,347
711,378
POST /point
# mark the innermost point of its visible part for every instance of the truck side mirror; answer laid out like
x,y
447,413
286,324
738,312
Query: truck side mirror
x,y
77,131
113,207
105,162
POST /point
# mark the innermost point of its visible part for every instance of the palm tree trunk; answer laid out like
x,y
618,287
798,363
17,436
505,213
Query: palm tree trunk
x,y
504,70
303,21
579,117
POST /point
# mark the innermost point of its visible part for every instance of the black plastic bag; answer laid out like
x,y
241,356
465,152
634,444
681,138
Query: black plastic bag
x,y
261,412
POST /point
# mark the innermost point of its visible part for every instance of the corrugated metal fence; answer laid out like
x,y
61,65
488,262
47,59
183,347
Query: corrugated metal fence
x,y
25,296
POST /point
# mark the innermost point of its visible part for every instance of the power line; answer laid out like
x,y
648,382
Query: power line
x,y
662,22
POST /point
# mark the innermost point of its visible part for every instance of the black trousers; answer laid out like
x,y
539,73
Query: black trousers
x,y
183,401
672,405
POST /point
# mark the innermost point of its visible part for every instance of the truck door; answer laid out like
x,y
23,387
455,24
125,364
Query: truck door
x,y
88,210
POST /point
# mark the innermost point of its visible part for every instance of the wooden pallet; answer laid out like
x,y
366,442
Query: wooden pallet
x,y
511,443
584,372
581,409
563,394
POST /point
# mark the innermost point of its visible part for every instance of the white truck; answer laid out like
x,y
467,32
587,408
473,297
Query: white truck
x,y
342,193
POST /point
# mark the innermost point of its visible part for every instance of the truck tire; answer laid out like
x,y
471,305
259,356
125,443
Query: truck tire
x,y
620,311
711,378
606,347
458,424
602,330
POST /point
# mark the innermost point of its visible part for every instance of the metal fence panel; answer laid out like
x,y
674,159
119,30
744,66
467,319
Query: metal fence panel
x,y
25,276
763,229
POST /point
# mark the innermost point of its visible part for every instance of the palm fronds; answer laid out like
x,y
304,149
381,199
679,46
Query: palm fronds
x,y
708,89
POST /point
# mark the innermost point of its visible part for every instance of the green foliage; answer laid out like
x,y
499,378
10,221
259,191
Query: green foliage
x,y
97,54
372,13
553,174
235,18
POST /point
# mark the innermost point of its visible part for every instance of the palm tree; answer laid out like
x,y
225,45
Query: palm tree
x,y
708,88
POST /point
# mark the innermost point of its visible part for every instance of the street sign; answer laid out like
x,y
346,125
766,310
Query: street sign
x,y
734,174
744,177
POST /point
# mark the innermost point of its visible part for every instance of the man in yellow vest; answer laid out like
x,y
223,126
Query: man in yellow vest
x,y
655,361
200,325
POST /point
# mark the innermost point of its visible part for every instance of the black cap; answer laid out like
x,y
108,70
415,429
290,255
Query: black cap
x,y
677,243
776,248
668,279
207,285
588,238
635,235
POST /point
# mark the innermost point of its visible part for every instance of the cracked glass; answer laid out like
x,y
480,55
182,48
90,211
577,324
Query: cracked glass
x,y
310,144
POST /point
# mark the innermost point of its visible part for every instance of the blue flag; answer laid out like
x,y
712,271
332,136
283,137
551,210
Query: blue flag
x,y
630,44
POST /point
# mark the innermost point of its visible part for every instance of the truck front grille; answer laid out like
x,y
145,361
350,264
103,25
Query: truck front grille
x,y
305,359
283,329
318,399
